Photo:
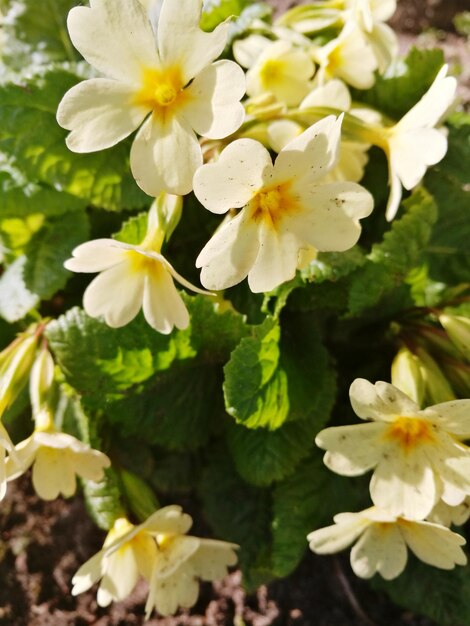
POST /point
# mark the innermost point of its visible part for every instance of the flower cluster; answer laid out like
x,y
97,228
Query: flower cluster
x,y
274,141
421,467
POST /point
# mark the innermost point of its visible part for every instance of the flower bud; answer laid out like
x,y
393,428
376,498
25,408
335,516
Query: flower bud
x,y
458,329
138,495
436,386
458,374
15,368
407,375
40,388
164,216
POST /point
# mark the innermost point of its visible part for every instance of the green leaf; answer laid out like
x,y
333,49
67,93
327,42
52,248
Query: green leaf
x,y
236,511
23,200
334,265
177,410
217,11
30,135
255,388
15,298
441,595
401,249
305,501
262,456
39,29
134,230
44,272
102,362
250,14
395,93
103,498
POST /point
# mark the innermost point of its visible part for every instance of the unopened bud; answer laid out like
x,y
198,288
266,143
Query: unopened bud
x,y
40,389
458,329
437,388
407,376
140,498
164,216
458,374
15,369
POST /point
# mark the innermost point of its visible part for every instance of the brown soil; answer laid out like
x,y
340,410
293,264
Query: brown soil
x,y
44,543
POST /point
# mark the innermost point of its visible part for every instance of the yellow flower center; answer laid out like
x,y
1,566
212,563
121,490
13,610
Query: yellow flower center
x,y
161,90
271,205
165,94
141,264
410,432
271,71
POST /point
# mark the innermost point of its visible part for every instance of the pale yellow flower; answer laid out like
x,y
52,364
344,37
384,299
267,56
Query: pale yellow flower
x,y
135,276
277,67
447,515
285,208
413,144
417,455
348,57
163,81
160,551
383,540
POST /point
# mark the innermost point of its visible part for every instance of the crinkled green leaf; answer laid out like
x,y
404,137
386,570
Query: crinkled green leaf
x,y
44,272
262,456
23,200
37,32
102,362
404,83
178,409
103,498
255,388
441,595
30,135
134,230
401,249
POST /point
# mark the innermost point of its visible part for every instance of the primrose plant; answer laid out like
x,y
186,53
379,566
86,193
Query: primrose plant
x,y
143,141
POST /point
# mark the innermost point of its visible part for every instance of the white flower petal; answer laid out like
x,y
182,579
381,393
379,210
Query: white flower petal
x,y
412,152
95,256
384,43
433,105
381,549
338,536
453,416
100,113
246,51
434,544
332,219
162,304
169,520
213,109
174,553
115,36
242,169
381,401
276,261
280,132
121,576
211,560
352,450
404,484
181,42
52,474
228,257
90,464
164,156
88,574
334,94
311,154
115,294
394,199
